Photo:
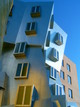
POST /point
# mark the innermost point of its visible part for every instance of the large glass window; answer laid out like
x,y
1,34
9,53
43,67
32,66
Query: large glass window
x,y
22,70
68,67
24,96
62,74
69,79
70,93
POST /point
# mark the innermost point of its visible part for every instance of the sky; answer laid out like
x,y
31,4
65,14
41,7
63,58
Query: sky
x,y
67,16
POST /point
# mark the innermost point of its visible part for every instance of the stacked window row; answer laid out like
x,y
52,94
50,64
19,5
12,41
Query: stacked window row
x,y
63,77
25,93
70,93
58,40
67,66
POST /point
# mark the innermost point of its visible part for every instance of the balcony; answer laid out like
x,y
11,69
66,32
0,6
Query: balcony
x,y
58,39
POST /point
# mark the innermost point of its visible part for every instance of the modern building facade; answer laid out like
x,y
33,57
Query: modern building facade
x,y
33,49
68,76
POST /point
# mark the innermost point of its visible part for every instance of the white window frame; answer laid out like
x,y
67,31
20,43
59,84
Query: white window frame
x,y
58,89
19,48
27,71
53,73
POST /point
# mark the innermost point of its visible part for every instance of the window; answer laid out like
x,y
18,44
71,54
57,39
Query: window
x,y
62,74
62,62
31,28
19,50
6,27
22,70
54,55
63,88
3,80
68,67
53,73
24,96
48,39
58,90
69,79
70,93
58,39
51,22
10,14
35,11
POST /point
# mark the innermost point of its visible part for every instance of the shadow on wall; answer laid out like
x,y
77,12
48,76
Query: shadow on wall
x,y
1,44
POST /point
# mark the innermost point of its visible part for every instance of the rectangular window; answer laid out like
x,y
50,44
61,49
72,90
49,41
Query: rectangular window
x,y
62,74
24,96
22,47
69,79
28,26
64,88
22,70
58,90
52,21
70,93
17,47
19,50
31,28
68,67
57,55
18,70
63,63
35,11
53,73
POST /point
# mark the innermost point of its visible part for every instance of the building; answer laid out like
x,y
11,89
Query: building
x,y
68,75
33,49
5,8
